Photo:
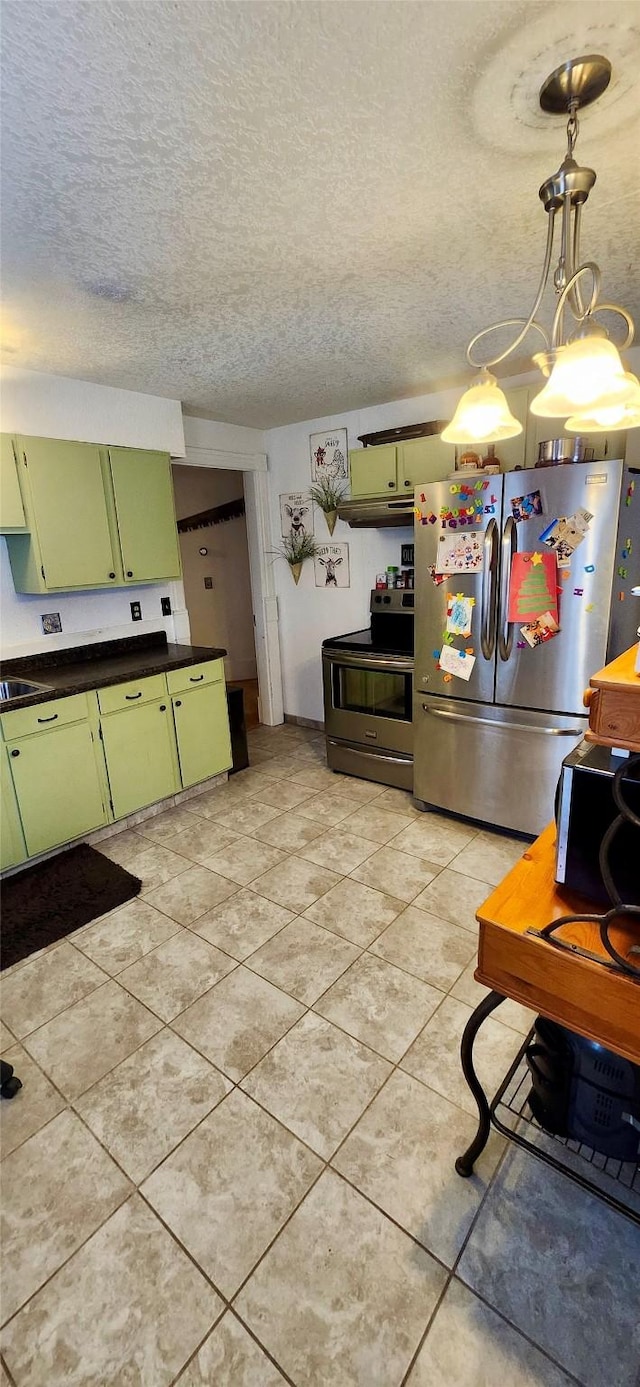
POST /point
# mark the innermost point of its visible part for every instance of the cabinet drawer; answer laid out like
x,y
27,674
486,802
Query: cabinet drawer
x,y
129,695
181,680
42,717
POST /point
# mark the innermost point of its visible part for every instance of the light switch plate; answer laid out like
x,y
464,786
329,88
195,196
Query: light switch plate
x,y
165,603
208,582
51,623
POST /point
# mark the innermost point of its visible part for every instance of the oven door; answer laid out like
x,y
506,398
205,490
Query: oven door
x,y
368,699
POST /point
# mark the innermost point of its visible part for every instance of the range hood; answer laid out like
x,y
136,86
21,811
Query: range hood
x,y
377,512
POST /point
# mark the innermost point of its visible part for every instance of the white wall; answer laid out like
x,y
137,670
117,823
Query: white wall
x,y
309,614
221,615
46,406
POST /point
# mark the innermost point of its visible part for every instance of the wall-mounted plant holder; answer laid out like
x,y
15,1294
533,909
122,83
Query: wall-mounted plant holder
x,y
327,493
295,548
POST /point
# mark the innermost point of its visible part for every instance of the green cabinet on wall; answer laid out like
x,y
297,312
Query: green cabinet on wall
x,y
139,751
143,493
397,468
70,545
12,515
57,785
97,517
202,732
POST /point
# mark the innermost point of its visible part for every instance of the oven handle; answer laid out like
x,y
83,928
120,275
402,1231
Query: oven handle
x,y
385,663
507,726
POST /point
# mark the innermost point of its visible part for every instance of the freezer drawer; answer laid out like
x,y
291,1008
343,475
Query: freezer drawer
x,y
499,765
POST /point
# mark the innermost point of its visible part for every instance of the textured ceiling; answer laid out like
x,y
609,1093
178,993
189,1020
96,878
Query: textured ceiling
x,y
275,211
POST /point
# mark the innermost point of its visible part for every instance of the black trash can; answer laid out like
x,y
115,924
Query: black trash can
x,y
237,728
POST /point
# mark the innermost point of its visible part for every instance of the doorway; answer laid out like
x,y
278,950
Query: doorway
x,y
210,510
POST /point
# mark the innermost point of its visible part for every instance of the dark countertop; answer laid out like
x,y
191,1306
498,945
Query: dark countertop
x,y
64,672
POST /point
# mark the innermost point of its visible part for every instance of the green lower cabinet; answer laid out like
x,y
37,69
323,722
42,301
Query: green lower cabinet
x,y
12,848
57,785
202,730
139,750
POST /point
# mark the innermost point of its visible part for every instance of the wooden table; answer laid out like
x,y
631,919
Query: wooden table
x,y
568,987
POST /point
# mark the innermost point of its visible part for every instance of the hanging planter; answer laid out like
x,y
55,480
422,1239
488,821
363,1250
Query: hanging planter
x,y
295,549
327,493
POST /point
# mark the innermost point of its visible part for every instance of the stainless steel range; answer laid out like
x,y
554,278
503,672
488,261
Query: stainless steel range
x,y
368,688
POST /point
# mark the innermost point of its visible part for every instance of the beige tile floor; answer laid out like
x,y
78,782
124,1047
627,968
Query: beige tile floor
x,y
232,1159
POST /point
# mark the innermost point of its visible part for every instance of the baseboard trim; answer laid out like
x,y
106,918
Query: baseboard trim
x,y
304,722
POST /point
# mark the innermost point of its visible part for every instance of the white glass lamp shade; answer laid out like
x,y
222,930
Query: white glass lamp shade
x,y
587,376
482,415
608,417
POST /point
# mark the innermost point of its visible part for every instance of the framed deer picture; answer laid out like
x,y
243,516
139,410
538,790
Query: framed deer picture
x,y
329,455
331,564
296,514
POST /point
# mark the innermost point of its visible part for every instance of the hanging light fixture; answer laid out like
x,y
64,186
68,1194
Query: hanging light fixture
x,y
586,380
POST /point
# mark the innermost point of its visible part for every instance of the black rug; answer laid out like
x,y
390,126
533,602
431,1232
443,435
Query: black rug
x,y
50,900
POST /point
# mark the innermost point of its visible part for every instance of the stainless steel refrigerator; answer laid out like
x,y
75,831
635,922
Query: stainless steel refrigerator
x,y
490,747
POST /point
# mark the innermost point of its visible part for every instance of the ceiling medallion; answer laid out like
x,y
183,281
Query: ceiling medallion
x,y
586,380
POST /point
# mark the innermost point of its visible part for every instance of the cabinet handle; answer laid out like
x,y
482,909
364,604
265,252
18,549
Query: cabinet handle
x,y
52,719
163,707
408,483
15,752
178,703
129,573
195,678
131,697
112,575
392,485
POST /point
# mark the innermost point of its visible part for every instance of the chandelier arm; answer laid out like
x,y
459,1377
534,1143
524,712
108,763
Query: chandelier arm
x,y
529,322
577,226
591,268
622,313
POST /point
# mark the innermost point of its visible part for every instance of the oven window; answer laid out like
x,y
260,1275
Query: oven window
x,y
380,693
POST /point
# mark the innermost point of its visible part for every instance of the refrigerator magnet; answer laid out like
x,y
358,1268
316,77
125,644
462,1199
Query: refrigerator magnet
x,y
456,662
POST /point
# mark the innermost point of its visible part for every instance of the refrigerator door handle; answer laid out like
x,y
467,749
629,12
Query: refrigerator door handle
x,y
509,726
509,548
488,599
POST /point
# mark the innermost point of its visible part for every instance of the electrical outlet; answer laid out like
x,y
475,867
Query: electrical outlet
x,y
51,623
208,582
136,611
165,603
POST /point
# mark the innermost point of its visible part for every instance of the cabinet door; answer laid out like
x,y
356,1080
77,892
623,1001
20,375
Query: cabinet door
x,y
424,460
143,491
70,513
202,730
57,785
12,849
139,750
373,471
11,507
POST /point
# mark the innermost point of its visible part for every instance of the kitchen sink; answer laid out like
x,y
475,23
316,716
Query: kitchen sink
x,y
18,688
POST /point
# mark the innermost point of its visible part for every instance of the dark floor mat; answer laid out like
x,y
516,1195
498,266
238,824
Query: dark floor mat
x,y
48,901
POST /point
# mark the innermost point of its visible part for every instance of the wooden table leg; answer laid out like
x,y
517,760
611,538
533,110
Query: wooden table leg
x,y
465,1163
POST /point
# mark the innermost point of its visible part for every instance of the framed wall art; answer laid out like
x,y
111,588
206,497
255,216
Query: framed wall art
x,y
329,455
331,564
296,514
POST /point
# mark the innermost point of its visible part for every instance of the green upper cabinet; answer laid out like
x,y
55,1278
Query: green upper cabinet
x,y
397,468
96,517
374,471
12,515
143,492
70,544
202,731
424,460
